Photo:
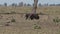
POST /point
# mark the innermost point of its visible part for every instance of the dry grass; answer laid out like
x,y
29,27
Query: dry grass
x,y
48,10
22,26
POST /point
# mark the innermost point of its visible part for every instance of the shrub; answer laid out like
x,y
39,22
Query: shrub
x,y
13,20
36,26
56,20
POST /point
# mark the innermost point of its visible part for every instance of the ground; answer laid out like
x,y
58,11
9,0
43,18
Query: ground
x,y
22,26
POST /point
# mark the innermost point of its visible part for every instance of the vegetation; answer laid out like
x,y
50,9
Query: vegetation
x,y
56,20
36,26
13,12
24,26
19,27
13,20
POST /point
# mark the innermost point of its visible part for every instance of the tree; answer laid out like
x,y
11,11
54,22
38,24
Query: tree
x,y
35,6
45,4
14,4
57,4
5,4
21,4
28,4
52,5
25,4
39,4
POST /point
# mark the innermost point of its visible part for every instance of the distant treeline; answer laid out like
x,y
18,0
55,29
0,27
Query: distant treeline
x,y
24,4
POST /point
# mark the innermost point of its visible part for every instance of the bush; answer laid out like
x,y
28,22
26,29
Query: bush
x,y
36,26
56,20
13,20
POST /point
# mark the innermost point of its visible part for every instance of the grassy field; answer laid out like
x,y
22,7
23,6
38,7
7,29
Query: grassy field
x,y
18,24
48,10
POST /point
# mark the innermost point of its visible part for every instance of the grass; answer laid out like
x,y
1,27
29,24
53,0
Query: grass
x,y
54,10
23,26
36,26
56,20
